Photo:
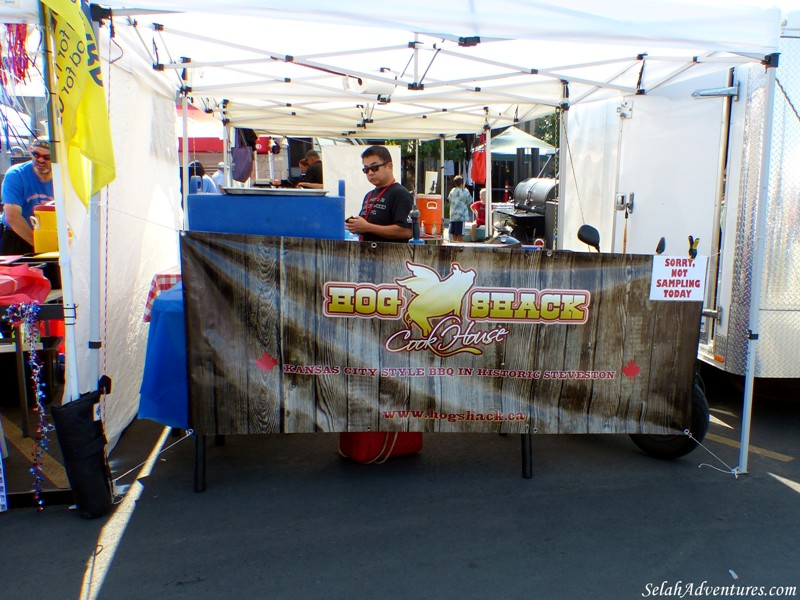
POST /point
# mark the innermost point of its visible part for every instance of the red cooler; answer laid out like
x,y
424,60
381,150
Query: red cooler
x,y
377,447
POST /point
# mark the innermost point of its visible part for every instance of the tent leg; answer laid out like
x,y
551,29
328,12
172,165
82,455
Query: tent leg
x,y
22,386
200,463
527,456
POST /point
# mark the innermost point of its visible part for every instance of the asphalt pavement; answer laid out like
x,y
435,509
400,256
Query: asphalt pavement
x,y
285,517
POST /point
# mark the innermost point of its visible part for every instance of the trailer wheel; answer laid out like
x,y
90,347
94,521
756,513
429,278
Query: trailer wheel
x,y
674,446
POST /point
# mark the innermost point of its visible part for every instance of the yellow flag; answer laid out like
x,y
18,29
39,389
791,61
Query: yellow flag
x,y
81,103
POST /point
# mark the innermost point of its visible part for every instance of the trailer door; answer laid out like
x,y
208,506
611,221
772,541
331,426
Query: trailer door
x,y
671,160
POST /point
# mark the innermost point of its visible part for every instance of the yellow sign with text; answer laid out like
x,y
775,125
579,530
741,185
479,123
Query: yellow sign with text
x,y
81,103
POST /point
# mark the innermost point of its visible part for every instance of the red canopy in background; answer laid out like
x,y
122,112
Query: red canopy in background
x,y
205,132
263,145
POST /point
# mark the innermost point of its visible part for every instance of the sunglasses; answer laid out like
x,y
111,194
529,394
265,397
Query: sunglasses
x,y
373,168
38,155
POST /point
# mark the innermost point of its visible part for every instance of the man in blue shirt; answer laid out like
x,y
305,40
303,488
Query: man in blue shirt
x,y
25,185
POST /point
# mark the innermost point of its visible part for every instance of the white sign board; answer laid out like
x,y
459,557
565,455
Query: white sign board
x,y
678,278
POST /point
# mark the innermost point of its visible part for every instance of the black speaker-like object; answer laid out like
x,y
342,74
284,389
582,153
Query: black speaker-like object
x,y
83,441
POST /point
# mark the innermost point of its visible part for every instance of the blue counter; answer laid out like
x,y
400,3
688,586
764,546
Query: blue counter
x,y
164,395
289,214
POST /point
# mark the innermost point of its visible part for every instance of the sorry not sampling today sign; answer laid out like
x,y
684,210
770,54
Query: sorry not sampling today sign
x,y
678,278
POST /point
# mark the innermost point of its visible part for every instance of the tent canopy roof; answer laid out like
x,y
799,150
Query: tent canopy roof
x,y
507,142
421,70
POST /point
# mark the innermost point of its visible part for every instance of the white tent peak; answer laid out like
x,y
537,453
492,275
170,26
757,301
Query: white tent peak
x,y
507,142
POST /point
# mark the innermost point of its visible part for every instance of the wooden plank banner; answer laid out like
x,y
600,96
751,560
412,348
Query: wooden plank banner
x,y
290,335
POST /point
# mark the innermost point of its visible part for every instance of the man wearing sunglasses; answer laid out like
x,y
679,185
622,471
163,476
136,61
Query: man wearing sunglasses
x,y
384,212
25,185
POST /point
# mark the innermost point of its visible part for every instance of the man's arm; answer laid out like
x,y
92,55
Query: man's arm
x,y
15,220
390,232
306,184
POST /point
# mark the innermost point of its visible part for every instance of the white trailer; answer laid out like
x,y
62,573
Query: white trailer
x,y
713,157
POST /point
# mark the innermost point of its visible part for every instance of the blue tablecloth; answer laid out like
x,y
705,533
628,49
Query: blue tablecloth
x,y
164,395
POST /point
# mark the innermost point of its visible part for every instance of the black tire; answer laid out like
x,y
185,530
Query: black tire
x,y
667,447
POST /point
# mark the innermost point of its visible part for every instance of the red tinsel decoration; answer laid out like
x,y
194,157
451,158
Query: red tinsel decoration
x,y
14,60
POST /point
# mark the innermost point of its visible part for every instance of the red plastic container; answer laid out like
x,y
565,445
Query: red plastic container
x,y
377,447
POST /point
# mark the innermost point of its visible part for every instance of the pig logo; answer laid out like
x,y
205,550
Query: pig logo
x,y
433,296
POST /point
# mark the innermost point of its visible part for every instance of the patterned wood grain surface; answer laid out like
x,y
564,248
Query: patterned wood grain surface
x,y
300,335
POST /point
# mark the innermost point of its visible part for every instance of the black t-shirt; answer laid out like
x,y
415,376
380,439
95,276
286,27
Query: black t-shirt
x,y
388,208
314,173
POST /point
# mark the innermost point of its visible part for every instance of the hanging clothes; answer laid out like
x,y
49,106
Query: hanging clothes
x,y
478,171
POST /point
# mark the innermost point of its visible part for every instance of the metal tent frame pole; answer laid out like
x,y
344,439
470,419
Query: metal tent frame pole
x,y
65,255
487,148
185,157
758,265
95,304
442,186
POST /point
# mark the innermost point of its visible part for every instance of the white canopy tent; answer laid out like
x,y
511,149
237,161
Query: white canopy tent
x,y
389,70
399,77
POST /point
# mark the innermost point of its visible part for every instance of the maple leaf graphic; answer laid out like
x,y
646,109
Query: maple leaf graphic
x,y
267,362
631,369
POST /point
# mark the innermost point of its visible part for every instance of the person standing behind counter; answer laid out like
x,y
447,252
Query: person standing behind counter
x,y
207,185
313,178
384,212
25,186
219,177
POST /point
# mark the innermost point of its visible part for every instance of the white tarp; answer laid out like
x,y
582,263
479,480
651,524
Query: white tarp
x,y
141,217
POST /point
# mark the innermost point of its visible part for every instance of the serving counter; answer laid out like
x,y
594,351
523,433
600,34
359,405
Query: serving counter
x,y
289,335
269,211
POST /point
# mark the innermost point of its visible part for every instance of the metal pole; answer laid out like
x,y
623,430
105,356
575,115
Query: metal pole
x,y
416,59
226,150
65,255
442,187
22,389
758,269
185,157
562,145
527,455
488,150
416,167
95,305
271,162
